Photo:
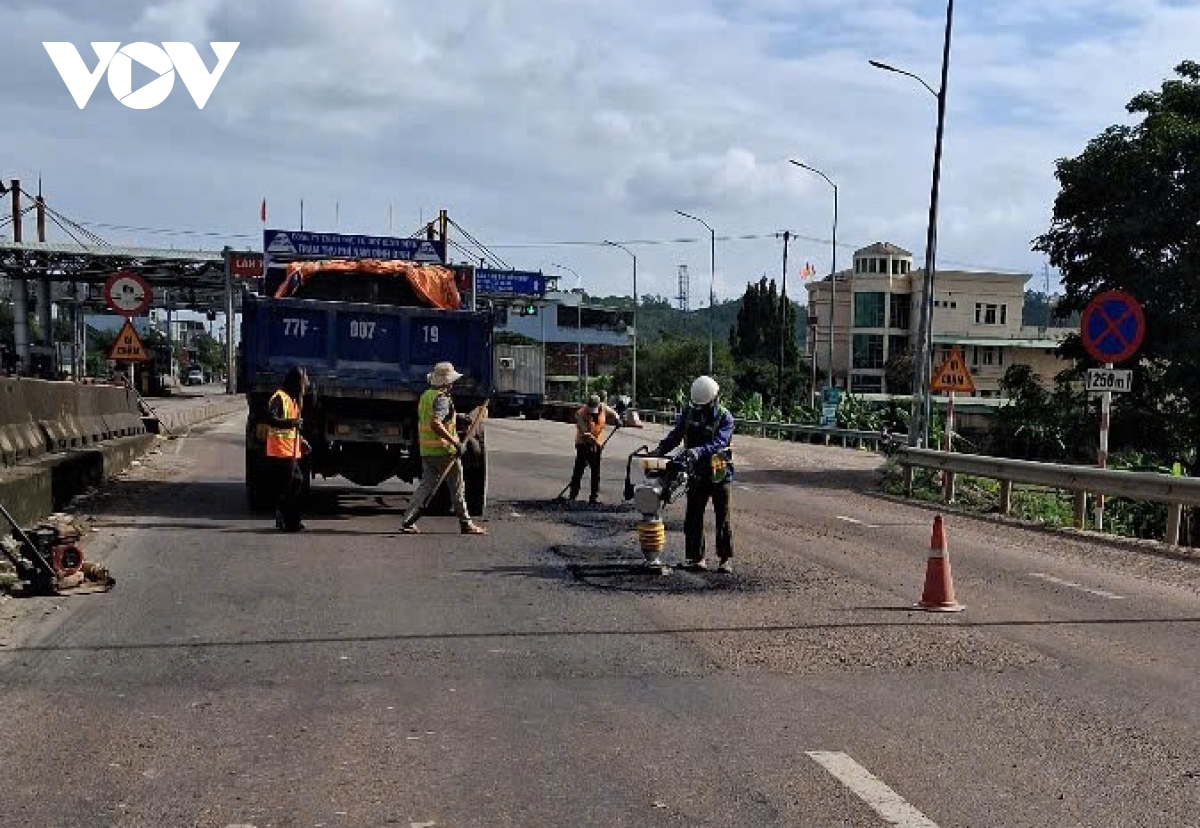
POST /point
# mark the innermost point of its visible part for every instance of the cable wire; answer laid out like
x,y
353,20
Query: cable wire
x,y
532,245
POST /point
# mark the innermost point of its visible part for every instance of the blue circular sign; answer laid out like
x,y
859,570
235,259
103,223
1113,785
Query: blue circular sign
x,y
1113,326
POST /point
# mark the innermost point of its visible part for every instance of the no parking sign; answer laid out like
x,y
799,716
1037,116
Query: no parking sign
x,y
1113,326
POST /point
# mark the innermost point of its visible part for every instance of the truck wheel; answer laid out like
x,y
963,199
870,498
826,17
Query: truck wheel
x,y
475,479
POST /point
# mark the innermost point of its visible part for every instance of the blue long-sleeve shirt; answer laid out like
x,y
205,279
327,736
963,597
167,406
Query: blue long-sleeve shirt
x,y
722,433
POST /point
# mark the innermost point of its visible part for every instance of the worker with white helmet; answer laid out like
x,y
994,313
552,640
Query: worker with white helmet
x,y
706,431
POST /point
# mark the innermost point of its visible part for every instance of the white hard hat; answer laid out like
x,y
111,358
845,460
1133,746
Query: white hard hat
x,y
704,390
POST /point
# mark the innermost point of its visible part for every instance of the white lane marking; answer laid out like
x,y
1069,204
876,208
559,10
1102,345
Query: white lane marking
x,y
1099,592
857,522
882,799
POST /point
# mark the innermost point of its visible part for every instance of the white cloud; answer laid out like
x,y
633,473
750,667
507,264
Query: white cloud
x,y
557,121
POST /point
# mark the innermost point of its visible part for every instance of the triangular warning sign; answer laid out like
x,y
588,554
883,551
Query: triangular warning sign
x,y
953,375
127,347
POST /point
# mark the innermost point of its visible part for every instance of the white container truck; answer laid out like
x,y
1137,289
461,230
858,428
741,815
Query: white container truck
x,y
519,381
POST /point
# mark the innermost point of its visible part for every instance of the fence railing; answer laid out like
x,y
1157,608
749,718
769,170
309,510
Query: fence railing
x,y
1175,492
848,438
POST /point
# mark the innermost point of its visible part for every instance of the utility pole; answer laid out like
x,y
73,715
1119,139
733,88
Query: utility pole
x,y
20,287
230,387
45,314
783,317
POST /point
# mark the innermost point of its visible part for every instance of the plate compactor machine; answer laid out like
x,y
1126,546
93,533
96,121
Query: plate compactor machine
x,y
663,481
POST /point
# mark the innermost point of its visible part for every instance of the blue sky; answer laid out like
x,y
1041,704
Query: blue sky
x,y
555,121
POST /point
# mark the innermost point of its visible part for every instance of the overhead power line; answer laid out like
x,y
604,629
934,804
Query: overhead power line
x,y
534,245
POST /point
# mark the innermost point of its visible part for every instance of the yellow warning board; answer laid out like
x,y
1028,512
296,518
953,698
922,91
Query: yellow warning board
x,y
127,347
953,375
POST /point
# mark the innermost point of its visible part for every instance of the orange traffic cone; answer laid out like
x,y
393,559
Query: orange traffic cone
x,y
939,584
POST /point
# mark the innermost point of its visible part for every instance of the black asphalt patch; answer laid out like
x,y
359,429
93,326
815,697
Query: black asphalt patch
x,y
607,567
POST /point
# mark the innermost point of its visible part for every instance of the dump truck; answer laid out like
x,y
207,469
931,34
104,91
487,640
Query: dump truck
x,y
367,332
519,381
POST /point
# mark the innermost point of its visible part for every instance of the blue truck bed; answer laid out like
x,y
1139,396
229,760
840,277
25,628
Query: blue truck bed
x,y
356,350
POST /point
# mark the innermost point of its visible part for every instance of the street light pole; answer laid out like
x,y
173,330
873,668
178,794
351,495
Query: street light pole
x,y
579,325
712,281
633,256
832,266
919,433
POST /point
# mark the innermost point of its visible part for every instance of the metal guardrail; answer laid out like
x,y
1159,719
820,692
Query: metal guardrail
x,y
1176,492
791,432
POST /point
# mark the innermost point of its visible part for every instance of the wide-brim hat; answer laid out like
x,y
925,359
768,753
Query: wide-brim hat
x,y
443,374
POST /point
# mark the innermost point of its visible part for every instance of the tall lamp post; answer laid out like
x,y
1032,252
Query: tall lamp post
x,y
712,281
579,325
922,366
633,256
833,261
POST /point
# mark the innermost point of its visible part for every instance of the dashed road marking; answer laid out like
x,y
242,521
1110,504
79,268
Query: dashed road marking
x,y
1061,582
882,799
857,522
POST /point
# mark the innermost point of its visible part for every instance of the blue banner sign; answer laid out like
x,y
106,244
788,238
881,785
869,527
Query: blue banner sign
x,y
289,245
512,282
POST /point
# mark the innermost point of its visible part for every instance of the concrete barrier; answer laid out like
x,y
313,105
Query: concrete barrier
x,y
39,417
176,420
20,437
103,435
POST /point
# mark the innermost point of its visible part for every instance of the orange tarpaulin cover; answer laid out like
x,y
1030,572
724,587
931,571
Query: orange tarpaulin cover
x,y
433,283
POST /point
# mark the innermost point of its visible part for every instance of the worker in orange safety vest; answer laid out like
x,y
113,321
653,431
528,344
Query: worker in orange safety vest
x,y
286,447
590,422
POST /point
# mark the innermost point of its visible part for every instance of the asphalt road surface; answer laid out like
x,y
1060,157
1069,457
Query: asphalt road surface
x,y
352,676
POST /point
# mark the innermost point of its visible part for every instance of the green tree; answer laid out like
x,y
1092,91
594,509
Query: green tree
x,y
1126,217
754,342
667,367
210,352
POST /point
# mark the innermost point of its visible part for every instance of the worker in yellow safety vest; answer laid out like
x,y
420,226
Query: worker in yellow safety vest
x,y
440,452
286,447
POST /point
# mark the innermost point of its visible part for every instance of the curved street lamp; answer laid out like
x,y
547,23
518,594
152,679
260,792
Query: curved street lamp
x,y
712,280
632,255
922,364
832,265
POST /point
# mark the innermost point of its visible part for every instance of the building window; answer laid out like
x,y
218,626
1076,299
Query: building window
x,y
987,314
1004,314
868,351
897,346
867,384
901,312
954,305
868,310
858,265
986,356
883,265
